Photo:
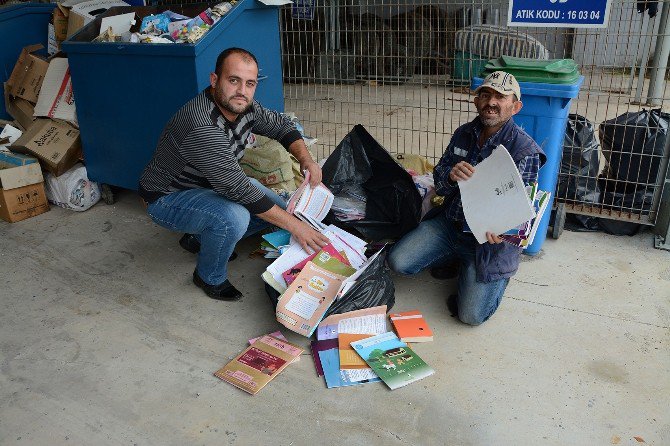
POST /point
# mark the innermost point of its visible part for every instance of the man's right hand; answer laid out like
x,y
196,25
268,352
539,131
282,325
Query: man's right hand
x,y
310,239
461,171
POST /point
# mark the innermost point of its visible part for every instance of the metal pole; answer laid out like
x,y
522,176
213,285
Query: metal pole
x,y
661,53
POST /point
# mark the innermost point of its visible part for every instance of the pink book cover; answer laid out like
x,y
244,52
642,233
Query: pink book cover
x,y
290,274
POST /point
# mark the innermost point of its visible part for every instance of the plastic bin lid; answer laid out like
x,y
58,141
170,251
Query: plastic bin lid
x,y
524,76
558,66
556,71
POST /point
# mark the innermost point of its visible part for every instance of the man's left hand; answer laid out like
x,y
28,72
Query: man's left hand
x,y
493,238
315,174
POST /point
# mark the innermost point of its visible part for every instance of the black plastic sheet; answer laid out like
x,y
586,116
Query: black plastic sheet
x,y
374,287
580,163
393,205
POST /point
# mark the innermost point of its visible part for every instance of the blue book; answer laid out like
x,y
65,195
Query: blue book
x,y
278,238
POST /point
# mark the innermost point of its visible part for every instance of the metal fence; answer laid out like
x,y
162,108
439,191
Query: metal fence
x,y
403,69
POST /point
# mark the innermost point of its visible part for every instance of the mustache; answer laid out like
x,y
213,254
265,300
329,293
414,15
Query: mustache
x,y
240,96
493,108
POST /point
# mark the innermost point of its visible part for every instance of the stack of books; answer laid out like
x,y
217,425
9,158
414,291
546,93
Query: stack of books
x,y
309,282
260,362
356,348
524,234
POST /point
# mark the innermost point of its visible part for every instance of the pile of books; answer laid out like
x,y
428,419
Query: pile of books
x,y
356,348
524,234
309,282
351,349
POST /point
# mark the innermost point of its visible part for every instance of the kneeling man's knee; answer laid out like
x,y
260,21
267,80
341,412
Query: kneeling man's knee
x,y
398,264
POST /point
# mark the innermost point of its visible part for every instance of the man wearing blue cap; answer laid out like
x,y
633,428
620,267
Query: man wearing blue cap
x,y
485,269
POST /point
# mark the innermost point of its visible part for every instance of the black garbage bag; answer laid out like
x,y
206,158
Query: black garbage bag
x,y
374,287
393,206
580,163
633,145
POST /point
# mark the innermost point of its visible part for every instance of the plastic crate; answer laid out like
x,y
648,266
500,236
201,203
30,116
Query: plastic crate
x,y
544,116
126,92
476,44
21,25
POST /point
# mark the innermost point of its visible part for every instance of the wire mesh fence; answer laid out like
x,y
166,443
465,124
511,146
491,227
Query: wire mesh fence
x,y
403,70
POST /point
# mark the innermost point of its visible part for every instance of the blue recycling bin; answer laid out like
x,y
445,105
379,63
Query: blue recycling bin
x,y
544,116
125,93
21,25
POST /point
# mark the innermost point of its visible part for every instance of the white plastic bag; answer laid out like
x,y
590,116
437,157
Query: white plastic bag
x,y
72,190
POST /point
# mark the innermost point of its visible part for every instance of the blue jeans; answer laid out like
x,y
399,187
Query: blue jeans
x,y
217,222
433,243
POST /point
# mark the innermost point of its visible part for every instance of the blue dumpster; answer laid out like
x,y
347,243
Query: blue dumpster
x,y
126,92
20,26
544,116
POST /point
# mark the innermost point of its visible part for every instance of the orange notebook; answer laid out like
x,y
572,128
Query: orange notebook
x,y
349,359
411,326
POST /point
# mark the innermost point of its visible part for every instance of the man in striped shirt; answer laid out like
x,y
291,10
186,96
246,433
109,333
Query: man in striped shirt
x,y
194,182
485,269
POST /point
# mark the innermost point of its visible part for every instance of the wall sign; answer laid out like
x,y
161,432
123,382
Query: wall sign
x,y
559,13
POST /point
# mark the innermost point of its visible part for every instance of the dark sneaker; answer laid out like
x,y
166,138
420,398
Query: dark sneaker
x,y
224,291
444,272
452,305
190,243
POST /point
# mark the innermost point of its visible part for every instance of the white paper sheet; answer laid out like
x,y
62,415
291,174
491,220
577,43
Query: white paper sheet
x,y
120,24
494,198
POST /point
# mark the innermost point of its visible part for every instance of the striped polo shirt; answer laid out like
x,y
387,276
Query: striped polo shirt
x,y
200,148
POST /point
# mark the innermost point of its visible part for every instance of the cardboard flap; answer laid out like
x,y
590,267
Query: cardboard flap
x,y
56,99
28,73
20,176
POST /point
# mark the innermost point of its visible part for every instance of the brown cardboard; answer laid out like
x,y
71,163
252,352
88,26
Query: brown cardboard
x,y
19,109
23,202
56,144
28,73
22,193
59,19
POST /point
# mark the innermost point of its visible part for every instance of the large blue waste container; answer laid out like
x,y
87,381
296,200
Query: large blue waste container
x,y
544,116
20,26
126,92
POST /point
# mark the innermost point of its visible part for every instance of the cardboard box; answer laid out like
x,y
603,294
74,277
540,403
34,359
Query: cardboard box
x,y
56,99
57,28
84,12
22,193
28,73
56,144
19,109
11,159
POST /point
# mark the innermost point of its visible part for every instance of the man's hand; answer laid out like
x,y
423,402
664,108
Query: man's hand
x,y
493,238
310,239
461,171
315,174
299,150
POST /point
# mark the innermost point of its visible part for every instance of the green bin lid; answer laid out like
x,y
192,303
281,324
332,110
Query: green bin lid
x,y
556,71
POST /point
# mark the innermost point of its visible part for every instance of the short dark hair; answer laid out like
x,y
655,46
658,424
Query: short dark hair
x,y
246,56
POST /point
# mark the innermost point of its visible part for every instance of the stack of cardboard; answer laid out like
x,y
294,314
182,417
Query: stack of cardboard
x,y
38,95
71,15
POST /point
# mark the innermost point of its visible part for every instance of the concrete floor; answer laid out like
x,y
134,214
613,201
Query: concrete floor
x,y
105,341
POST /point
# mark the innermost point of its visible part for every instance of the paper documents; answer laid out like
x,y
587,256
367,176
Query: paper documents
x,y
494,198
310,203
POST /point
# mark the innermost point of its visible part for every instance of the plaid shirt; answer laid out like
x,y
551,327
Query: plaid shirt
x,y
463,147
